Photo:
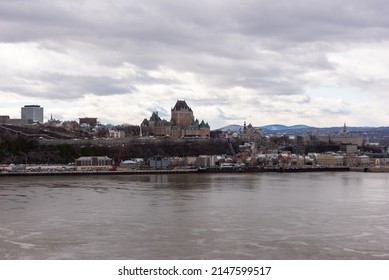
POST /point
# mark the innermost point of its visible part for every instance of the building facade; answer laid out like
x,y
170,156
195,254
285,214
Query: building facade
x,y
349,148
330,159
158,163
181,125
356,161
250,134
343,137
93,163
32,112
18,122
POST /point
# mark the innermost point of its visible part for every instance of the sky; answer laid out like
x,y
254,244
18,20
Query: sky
x,y
319,63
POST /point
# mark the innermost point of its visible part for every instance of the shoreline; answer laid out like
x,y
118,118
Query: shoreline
x,y
105,172
184,171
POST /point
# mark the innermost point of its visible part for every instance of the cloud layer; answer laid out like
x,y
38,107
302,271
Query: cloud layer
x,y
313,62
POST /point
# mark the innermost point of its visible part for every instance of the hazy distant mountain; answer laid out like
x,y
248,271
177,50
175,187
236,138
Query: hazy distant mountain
x,y
374,133
276,127
270,127
231,127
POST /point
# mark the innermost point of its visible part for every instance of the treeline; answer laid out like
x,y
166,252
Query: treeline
x,y
15,148
19,150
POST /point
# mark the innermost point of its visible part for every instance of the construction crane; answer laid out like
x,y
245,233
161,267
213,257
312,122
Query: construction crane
x,y
117,158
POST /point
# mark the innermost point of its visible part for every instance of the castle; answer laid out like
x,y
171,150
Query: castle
x,y
182,124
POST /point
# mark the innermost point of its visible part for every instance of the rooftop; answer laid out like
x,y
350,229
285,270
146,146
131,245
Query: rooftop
x,y
181,105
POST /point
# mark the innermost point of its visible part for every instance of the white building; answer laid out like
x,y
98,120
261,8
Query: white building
x,y
32,112
114,133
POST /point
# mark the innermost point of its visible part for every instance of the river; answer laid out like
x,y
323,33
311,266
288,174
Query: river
x,y
342,215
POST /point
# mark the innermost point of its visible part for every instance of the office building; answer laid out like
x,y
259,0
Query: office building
x,y
32,112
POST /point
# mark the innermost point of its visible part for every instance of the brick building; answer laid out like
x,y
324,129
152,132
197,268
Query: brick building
x,y
93,163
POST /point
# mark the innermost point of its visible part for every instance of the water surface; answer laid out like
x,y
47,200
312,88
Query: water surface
x,y
341,215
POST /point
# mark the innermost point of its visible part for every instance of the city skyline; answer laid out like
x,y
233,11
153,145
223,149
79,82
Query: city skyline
x,y
290,62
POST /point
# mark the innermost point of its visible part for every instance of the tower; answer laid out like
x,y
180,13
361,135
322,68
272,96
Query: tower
x,y
182,114
32,112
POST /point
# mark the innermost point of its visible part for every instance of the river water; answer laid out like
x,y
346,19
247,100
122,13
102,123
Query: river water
x,y
342,215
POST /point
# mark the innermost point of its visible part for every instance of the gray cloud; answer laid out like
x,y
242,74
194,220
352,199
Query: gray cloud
x,y
60,86
198,49
197,24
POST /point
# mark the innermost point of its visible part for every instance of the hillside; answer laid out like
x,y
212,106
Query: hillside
x,y
20,149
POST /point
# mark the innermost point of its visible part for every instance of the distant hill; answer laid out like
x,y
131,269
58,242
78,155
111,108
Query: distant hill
x,y
231,127
375,134
270,127
276,127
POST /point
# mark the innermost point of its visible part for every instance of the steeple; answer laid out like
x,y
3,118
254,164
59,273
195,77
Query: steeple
x,y
344,128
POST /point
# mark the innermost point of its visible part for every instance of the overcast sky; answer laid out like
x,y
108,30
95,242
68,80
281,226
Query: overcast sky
x,y
320,63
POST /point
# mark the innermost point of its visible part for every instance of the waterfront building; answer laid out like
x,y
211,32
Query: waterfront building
x,y
135,163
357,161
177,162
191,160
181,125
93,163
206,161
330,159
158,163
381,158
32,112
131,164
297,160
284,160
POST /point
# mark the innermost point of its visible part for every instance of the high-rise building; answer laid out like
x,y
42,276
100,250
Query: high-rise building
x,y
33,112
